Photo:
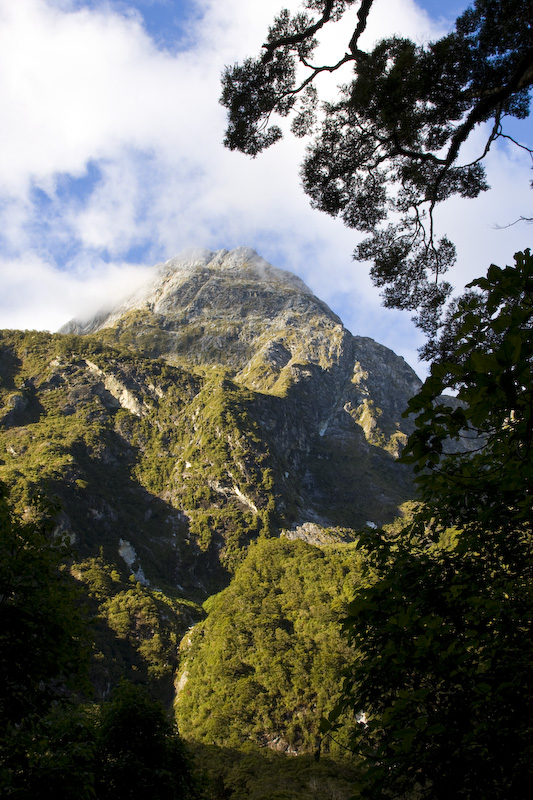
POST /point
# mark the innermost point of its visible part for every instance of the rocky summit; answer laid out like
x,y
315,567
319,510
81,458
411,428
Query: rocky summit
x,y
329,404
222,400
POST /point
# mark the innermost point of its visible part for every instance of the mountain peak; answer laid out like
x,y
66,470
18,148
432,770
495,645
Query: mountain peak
x,y
221,308
170,284
240,260
342,396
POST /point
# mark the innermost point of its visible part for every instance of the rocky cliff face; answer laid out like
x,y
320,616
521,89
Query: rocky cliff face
x,y
222,402
224,399
329,404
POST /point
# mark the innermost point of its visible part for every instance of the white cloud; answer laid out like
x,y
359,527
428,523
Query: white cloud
x,y
86,86
48,292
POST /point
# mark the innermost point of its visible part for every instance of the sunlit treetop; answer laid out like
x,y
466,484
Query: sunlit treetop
x,y
388,150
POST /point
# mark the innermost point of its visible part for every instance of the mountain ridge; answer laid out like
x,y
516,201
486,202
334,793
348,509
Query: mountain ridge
x,y
264,327
187,442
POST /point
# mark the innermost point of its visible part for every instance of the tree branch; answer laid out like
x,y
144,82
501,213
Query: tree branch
x,y
522,78
362,16
510,225
297,38
271,47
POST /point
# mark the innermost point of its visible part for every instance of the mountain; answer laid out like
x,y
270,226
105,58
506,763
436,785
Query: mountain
x,y
328,404
188,440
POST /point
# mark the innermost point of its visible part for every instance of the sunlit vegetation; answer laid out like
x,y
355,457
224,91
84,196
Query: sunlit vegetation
x,y
264,666
81,419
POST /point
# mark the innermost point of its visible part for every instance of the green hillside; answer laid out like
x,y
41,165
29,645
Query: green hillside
x,y
165,490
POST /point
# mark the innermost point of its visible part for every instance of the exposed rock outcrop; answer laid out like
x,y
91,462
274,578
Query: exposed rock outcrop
x,y
329,403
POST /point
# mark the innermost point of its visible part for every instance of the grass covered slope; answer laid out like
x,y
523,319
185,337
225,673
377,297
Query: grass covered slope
x,y
135,451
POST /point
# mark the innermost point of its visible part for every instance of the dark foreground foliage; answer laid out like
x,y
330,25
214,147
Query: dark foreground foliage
x,y
444,634
50,743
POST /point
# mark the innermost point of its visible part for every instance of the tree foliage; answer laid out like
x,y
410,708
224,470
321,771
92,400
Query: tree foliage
x,y
444,631
486,358
42,633
264,666
389,149
140,753
125,747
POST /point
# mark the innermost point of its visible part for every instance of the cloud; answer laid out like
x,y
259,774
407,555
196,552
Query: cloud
x,y
111,159
47,292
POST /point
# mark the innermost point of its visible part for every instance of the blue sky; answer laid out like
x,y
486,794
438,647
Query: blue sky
x,y
111,161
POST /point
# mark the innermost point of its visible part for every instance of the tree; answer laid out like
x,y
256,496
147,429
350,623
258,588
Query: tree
x,y
125,747
388,151
42,632
51,755
486,357
43,660
444,627
140,752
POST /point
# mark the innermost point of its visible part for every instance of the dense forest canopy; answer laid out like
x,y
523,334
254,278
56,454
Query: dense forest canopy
x,y
389,149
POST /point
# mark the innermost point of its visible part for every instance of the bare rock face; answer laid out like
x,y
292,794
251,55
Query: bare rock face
x,y
329,404
225,308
